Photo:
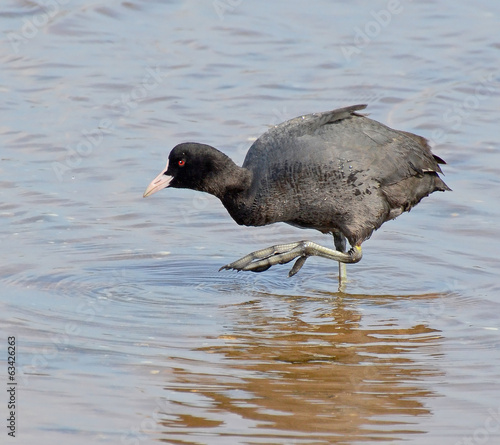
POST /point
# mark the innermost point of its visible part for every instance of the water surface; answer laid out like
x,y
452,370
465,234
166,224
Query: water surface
x,y
126,331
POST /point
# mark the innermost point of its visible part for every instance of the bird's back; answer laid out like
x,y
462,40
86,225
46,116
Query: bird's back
x,y
338,171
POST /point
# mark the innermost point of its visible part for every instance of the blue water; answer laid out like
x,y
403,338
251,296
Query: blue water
x,y
127,333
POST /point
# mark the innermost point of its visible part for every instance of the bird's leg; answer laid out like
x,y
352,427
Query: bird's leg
x,y
340,244
262,260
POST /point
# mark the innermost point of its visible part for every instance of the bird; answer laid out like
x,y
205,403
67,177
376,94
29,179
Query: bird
x,y
338,172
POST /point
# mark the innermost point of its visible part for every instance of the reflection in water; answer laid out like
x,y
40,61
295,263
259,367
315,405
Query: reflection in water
x,y
305,369
115,300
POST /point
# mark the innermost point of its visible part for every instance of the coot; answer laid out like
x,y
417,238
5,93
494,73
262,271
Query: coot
x,y
338,172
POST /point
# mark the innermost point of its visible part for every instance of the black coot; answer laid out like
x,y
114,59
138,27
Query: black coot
x,y
337,172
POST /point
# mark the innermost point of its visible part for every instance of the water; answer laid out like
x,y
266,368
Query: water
x,y
125,330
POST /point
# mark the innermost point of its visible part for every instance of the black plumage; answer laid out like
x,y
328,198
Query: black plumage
x,y
338,172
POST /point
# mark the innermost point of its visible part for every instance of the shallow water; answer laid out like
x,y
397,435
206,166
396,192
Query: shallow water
x,y
125,330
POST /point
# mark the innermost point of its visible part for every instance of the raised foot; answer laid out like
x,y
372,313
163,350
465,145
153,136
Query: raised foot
x,y
263,259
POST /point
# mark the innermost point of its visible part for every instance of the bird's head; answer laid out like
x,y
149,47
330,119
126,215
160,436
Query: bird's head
x,y
193,166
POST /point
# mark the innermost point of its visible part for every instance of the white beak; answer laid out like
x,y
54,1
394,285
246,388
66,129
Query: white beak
x,y
158,183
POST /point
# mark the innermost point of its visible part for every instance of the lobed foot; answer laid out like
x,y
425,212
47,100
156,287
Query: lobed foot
x,y
263,259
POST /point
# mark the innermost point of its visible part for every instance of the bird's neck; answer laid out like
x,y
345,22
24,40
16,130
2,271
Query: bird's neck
x,y
232,187
227,181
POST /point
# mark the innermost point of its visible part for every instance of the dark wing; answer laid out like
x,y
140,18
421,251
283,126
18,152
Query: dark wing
x,y
400,154
380,152
283,135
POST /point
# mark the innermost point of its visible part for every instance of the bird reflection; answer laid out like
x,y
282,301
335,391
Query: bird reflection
x,y
295,367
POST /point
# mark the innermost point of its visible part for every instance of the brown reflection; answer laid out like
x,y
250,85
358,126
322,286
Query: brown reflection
x,y
300,369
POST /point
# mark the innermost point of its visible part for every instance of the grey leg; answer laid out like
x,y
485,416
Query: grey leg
x,y
262,260
339,241
340,244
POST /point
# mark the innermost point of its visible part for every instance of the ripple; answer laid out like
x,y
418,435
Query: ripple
x,y
126,329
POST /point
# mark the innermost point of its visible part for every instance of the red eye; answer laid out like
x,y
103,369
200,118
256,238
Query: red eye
x,y
181,163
